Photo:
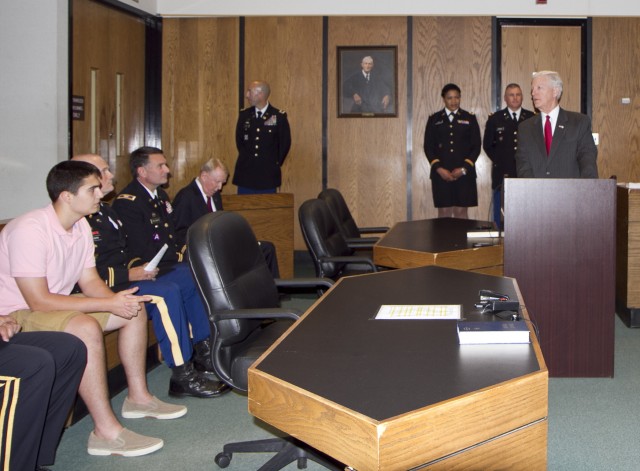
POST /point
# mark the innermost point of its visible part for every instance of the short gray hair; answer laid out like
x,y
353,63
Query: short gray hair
x,y
554,78
212,164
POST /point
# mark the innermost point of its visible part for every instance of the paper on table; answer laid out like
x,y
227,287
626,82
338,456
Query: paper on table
x,y
152,265
419,311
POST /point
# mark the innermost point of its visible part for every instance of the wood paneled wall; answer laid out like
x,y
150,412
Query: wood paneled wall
x,y
199,94
458,50
366,157
616,64
527,49
109,42
287,53
378,163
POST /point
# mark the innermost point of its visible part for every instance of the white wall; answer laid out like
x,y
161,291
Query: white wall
x,y
33,100
563,8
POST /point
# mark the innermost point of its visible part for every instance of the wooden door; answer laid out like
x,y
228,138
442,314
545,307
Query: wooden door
x,y
108,84
529,48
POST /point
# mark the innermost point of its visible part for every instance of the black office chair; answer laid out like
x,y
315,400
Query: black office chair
x,y
347,225
242,300
331,255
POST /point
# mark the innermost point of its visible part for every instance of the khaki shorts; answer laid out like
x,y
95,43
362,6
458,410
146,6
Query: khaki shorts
x,y
38,321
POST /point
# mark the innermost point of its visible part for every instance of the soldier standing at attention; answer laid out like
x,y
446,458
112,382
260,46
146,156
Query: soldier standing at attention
x,y
501,141
263,139
452,145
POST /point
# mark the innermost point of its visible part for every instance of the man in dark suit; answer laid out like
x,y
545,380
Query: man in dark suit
x,y
555,143
263,139
370,92
501,141
201,197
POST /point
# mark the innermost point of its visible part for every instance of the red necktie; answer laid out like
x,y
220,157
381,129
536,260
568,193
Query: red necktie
x,y
548,135
209,205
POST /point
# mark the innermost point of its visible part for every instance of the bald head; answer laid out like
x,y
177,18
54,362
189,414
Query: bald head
x,y
106,177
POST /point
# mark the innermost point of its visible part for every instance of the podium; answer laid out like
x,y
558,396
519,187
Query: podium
x,y
271,218
560,244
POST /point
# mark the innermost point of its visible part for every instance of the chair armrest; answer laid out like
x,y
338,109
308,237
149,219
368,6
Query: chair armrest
x,y
303,282
273,313
350,259
373,230
362,242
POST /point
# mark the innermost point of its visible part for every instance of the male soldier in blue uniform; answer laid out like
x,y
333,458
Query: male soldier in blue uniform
x,y
501,141
171,313
144,209
263,139
452,145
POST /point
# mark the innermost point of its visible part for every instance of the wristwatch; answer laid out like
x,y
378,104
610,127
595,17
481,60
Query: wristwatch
x,y
463,170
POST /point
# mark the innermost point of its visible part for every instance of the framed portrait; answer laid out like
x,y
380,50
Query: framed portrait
x,y
367,81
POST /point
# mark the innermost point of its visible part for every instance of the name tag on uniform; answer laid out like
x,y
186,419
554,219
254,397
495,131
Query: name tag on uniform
x,y
155,219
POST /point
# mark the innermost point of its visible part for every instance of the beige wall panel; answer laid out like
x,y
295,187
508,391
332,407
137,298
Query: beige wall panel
x,y
458,50
199,94
367,156
122,54
616,42
526,49
287,53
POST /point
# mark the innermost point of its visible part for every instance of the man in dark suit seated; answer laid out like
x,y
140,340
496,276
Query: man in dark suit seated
x,y
555,143
202,196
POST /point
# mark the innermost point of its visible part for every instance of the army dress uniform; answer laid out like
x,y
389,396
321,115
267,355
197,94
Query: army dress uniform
x,y
148,226
169,317
453,144
263,144
500,143
147,223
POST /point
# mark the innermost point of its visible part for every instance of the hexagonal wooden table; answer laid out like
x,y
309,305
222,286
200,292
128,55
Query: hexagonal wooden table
x,y
400,394
441,242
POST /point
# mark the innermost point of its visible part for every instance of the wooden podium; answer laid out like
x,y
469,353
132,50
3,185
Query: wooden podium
x,y
271,218
560,244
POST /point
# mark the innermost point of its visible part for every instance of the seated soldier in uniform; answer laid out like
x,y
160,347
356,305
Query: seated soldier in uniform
x,y
144,209
43,254
173,317
202,196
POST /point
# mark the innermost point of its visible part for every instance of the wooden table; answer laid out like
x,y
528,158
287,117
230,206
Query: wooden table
x,y
393,395
628,255
441,242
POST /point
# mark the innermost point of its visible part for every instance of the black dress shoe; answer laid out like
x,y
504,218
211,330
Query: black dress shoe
x,y
202,356
185,381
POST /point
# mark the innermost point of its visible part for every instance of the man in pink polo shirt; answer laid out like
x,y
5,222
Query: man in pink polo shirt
x,y
43,254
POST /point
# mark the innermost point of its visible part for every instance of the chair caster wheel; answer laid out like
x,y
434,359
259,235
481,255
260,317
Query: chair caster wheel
x,y
223,459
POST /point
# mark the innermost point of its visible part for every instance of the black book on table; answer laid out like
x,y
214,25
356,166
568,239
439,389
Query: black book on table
x,y
486,332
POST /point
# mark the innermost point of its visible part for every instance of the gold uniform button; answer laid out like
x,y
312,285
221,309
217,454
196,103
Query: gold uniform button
x,y
166,224
170,236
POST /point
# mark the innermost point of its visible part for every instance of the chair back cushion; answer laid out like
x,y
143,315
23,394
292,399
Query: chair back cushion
x,y
340,210
322,236
230,270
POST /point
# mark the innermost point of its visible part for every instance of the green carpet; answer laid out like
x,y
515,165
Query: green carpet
x,y
593,423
